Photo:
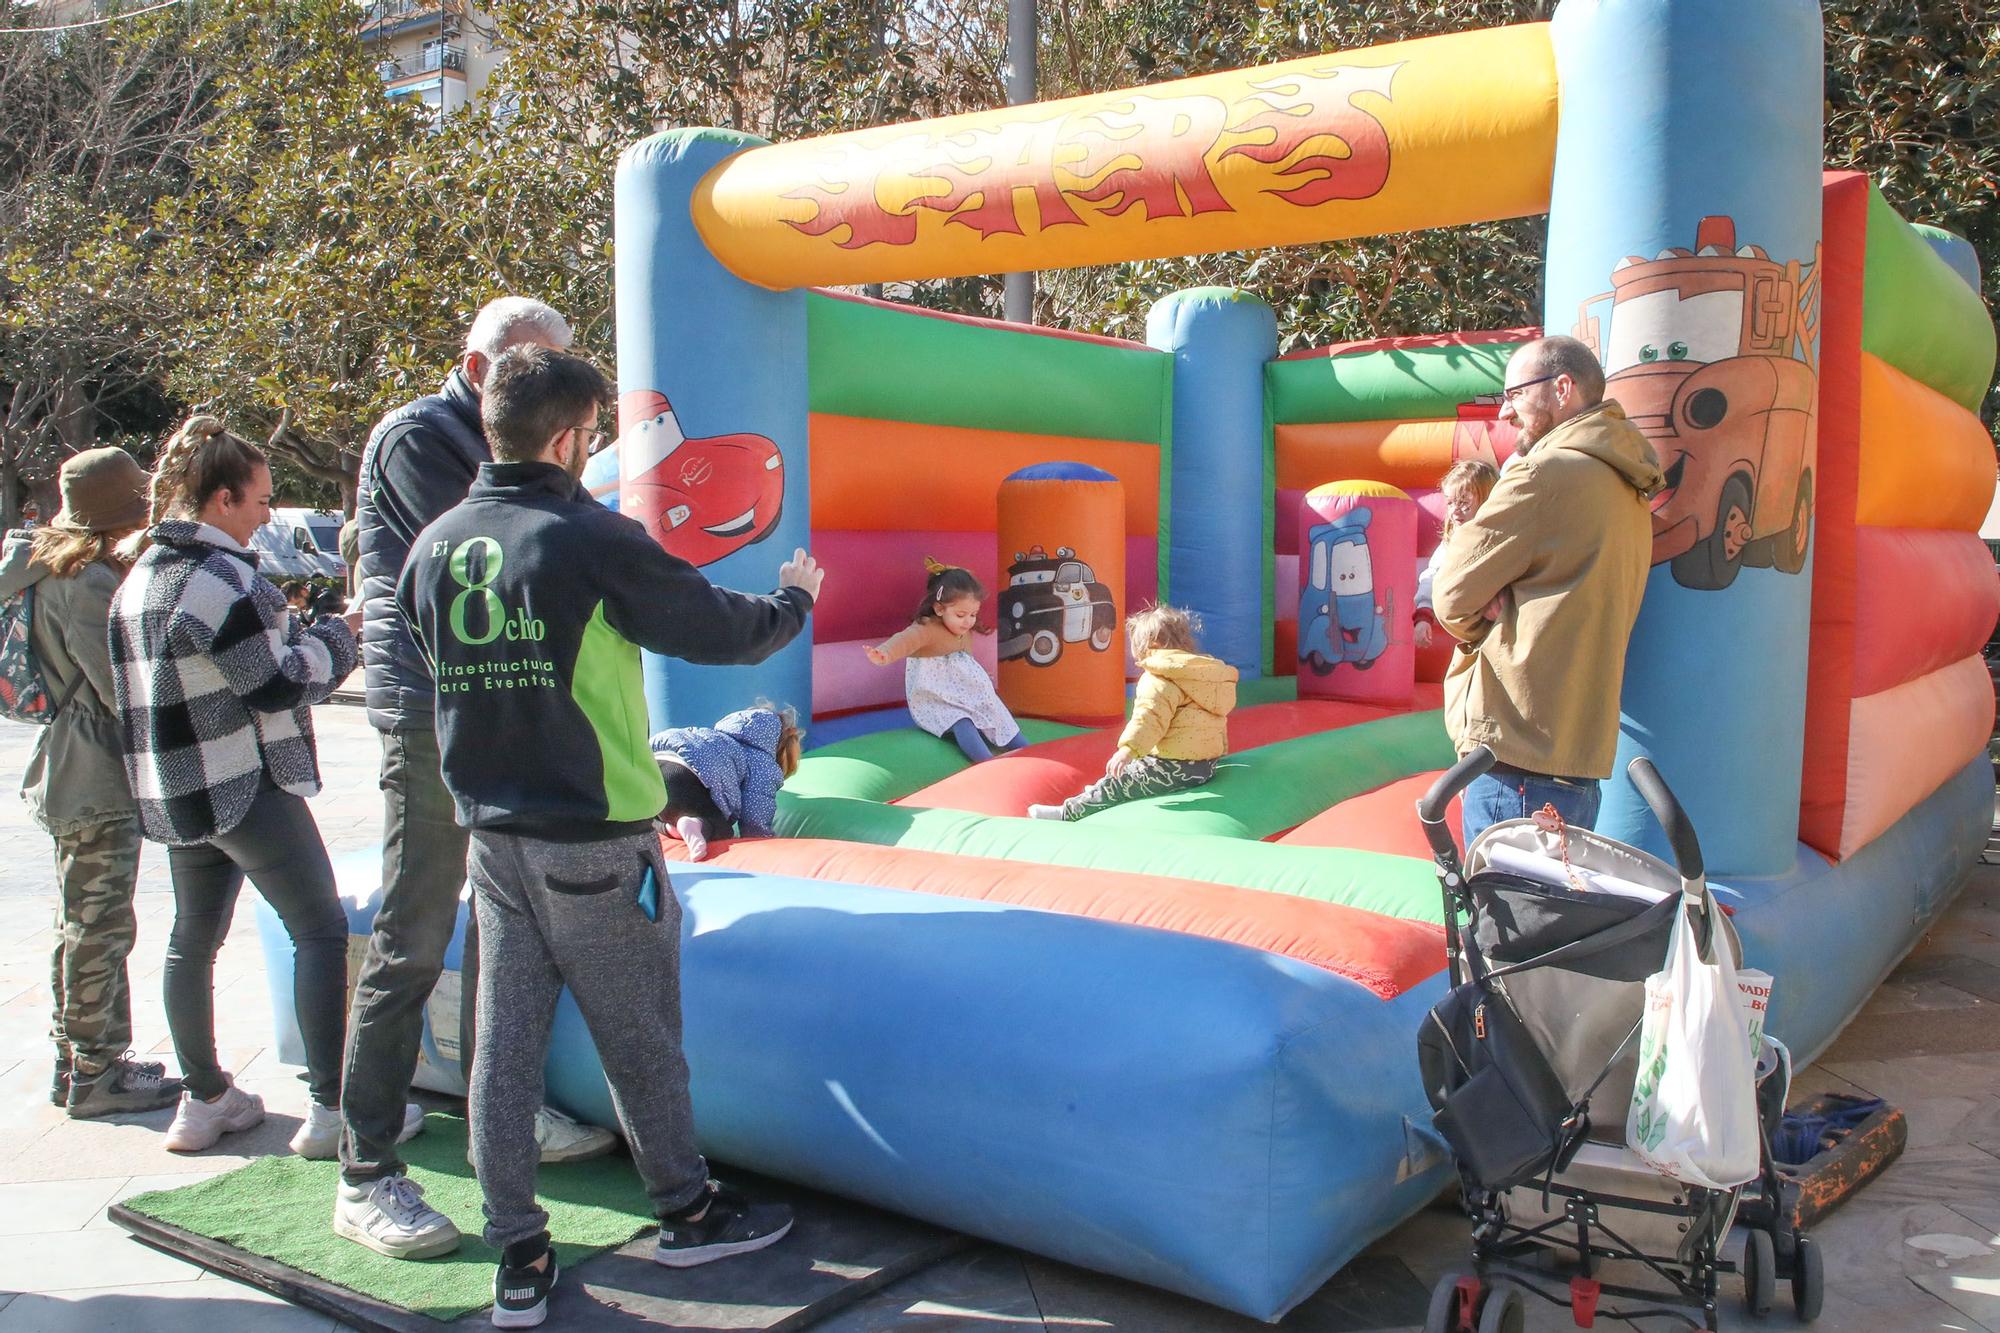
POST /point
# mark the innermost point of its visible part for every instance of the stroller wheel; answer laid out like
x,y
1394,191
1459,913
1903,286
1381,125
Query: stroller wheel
x,y
1760,1272
1808,1280
1443,1316
1503,1310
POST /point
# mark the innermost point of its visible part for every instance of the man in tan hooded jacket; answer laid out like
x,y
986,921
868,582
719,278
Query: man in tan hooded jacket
x,y
1542,586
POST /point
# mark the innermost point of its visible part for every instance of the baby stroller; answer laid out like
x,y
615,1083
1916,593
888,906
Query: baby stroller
x,y
1530,1061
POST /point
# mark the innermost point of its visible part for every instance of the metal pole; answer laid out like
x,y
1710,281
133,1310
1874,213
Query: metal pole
x,y
1017,302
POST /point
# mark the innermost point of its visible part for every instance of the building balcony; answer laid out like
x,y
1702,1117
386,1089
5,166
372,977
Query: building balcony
x,y
431,60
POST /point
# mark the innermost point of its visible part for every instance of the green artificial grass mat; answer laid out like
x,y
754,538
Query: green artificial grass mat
x,y
282,1208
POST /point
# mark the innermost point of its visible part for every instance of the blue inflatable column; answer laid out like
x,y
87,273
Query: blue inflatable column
x,y
712,416
1684,228
1218,538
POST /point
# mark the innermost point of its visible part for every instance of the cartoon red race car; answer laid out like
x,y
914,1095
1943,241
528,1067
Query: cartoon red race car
x,y
702,499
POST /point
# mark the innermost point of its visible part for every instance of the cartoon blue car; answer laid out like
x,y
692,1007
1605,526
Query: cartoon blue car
x,y
1339,620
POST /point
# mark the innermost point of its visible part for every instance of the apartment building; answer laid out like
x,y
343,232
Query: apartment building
x,y
433,53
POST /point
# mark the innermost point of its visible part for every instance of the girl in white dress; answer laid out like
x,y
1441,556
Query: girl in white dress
x,y
950,693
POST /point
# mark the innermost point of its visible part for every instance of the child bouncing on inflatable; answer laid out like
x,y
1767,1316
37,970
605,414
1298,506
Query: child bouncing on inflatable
x,y
725,778
950,693
1179,728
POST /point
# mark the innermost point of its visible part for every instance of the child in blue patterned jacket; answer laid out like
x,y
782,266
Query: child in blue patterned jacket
x,y
727,776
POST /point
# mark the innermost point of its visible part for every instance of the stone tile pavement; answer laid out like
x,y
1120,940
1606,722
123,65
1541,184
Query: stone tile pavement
x,y
1919,1249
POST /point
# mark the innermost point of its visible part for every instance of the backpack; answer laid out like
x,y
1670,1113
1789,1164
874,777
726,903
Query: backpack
x,y
24,695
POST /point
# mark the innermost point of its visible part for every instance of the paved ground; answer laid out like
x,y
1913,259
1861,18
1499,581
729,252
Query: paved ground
x,y
1919,1249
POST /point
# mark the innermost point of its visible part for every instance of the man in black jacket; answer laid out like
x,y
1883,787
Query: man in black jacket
x,y
418,463
532,602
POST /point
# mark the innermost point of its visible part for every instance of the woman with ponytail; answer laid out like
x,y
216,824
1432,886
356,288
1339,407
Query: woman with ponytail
x,y
215,677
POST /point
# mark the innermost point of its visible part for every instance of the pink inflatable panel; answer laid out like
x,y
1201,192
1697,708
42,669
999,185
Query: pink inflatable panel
x,y
1430,520
875,578
1922,600
844,679
1906,742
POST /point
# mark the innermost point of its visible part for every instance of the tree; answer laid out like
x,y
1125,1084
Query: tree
x,y
100,125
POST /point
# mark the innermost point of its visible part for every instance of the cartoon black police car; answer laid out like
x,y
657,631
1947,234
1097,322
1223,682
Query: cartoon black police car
x,y
1051,601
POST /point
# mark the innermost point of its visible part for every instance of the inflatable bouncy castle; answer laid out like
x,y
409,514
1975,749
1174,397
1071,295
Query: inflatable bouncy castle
x,y
1092,1040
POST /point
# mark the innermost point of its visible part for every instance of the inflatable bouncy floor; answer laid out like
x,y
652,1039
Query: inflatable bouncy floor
x,y
1175,1041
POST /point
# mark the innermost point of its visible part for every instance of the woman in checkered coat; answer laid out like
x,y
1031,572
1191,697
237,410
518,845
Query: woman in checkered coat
x,y
215,677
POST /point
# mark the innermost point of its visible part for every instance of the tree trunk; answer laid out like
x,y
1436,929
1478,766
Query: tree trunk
x,y
10,492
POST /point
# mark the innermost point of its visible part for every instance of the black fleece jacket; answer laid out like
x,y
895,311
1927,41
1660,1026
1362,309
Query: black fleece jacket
x,y
531,602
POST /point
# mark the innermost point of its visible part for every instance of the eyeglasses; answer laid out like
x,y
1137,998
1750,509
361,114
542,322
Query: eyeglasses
x,y
1508,395
594,440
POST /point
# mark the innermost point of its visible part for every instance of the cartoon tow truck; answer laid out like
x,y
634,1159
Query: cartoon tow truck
x,y
1710,354
1340,620
1051,601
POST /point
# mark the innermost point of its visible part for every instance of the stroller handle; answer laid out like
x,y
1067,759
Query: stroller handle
x,y
1666,809
1431,809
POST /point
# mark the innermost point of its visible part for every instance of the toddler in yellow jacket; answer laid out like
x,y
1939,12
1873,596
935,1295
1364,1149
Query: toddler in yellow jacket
x,y
1179,728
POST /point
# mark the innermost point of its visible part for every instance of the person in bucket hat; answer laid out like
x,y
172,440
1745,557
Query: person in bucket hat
x,y
76,786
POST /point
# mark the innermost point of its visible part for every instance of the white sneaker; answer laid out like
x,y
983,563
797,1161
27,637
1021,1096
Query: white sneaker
x,y
199,1124
1045,812
318,1139
692,833
562,1139
390,1217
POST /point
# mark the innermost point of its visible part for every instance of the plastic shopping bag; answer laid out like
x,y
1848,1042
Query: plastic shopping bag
x,y
1694,1104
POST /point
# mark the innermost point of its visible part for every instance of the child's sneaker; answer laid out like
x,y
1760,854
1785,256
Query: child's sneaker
x,y
732,1225
390,1217
689,827
318,1139
198,1125
125,1086
521,1295
1045,812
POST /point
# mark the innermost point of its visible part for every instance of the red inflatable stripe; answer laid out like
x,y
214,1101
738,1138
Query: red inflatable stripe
x,y
1922,600
1470,339
1384,954
1043,774
1383,820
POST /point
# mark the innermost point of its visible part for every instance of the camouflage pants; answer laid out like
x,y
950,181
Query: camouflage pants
x,y
96,869
1148,775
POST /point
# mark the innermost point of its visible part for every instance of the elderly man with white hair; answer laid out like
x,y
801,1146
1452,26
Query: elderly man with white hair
x,y
419,462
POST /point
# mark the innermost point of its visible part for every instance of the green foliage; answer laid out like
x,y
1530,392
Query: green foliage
x,y
217,206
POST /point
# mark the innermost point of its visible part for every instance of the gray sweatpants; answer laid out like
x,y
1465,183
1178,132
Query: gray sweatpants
x,y
554,914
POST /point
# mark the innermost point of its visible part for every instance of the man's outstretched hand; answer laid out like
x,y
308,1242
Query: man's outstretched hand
x,y
802,571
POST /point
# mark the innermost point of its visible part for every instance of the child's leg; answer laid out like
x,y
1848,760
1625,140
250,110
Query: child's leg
x,y
970,741
687,798
1145,776
1020,739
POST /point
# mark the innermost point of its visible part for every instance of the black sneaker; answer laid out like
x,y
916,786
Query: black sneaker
x,y
521,1295
125,1086
732,1225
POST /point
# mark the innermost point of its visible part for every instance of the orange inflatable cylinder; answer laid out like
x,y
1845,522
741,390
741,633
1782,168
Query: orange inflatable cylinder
x,y
1060,613
1357,586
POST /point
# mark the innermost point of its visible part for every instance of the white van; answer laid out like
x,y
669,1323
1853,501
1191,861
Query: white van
x,y
314,534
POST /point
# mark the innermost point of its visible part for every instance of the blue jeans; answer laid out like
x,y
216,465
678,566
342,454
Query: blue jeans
x,y
1493,797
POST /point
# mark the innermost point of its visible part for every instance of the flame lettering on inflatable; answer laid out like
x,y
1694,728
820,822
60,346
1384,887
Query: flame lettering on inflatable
x,y
1155,154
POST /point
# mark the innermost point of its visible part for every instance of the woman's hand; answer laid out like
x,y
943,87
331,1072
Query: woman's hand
x,y
1422,635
